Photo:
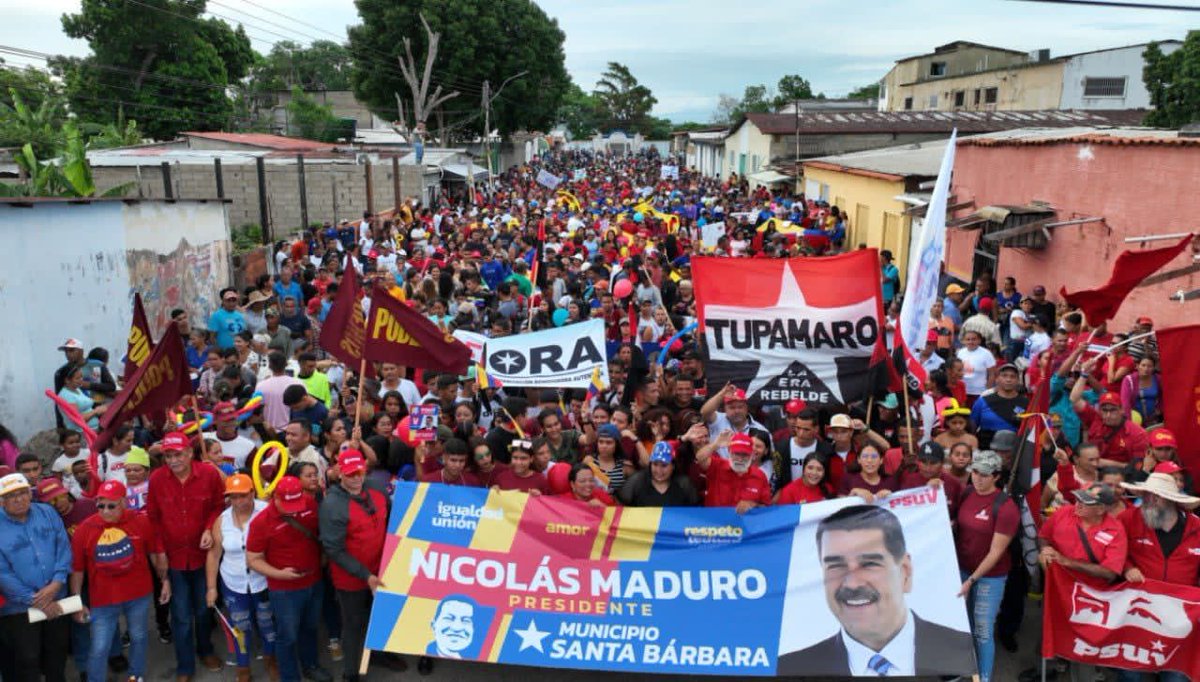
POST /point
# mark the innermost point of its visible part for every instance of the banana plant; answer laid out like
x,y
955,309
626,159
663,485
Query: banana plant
x,y
70,177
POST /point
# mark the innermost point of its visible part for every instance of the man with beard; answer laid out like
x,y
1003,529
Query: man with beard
x,y
867,573
1164,540
733,482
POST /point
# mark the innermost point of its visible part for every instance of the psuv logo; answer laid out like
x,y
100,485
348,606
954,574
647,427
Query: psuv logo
x,y
547,360
1158,614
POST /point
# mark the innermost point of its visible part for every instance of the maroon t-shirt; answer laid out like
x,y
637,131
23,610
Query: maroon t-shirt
x,y
976,526
852,481
507,480
438,476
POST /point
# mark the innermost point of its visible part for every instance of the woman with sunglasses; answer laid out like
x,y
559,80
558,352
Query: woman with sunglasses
x,y
481,463
243,592
956,420
520,474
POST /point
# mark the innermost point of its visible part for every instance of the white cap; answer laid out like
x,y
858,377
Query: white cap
x,y
12,483
73,344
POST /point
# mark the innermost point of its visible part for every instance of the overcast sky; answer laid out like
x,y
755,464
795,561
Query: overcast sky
x,y
690,51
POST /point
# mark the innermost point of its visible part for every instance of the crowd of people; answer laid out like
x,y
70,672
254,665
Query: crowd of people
x,y
170,521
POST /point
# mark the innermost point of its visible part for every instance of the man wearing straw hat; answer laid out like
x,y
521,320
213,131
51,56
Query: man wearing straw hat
x,y
1164,542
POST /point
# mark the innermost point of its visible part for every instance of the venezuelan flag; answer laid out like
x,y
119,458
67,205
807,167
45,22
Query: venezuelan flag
x,y
595,386
484,380
235,639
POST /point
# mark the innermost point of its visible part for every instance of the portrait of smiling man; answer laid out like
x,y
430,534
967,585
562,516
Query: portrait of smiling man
x,y
453,627
868,575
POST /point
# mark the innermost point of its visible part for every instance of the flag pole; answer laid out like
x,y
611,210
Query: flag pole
x,y
362,371
908,421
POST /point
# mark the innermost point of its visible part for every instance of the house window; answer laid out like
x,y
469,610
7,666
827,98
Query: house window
x,y
932,102
908,104
978,93
1104,87
960,98
990,95
937,68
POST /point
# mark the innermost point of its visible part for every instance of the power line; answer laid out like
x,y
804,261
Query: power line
x,y
173,115
1120,5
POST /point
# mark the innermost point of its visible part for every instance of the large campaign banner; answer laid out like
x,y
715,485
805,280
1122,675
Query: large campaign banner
x,y
504,577
559,357
1148,626
806,328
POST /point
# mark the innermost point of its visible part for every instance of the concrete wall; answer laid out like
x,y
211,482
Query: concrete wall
x,y
875,218
1018,89
1124,63
967,60
70,270
1134,187
283,189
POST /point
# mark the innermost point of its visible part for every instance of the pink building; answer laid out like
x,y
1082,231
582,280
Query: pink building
x,y
1054,207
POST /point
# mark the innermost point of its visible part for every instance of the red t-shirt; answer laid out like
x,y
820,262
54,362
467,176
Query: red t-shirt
x,y
726,487
114,557
1126,444
507,480
489,479
1107,538
952,486
283,546
1067,483
799,492
976,526
1101,372
436,476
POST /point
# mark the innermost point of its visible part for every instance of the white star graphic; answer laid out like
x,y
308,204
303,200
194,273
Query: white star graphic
x,y
1158,646
791,305
531,637
506,360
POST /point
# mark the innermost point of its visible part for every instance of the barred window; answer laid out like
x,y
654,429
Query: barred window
x,y
1104,87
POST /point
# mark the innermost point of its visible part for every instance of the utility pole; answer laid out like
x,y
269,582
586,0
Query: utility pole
x,y
488,98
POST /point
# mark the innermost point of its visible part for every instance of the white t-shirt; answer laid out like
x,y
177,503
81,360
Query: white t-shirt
x,y
237,451
976,364
408,391
1036,343
112,467
797,453
1014,332
62,464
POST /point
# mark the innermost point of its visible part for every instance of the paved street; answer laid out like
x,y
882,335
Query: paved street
x,y
1008,666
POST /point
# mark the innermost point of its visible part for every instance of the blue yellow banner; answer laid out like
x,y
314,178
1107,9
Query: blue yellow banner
x,y
505,577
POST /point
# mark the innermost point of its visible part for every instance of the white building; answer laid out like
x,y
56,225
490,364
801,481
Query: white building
x,y
1108,79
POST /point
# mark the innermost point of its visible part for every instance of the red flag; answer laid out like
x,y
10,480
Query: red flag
x,y
1146,626
1179,352
633,322
140,344
1100,305
157,384
796,328
397,333
345,326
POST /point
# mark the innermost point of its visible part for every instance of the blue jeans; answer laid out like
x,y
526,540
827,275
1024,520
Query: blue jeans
x,y
297,613
105,625
983,603
241,607
330,613
81,644
188,606
1136,676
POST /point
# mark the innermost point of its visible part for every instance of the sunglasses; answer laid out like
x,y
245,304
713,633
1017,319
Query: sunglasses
x,y
105,506
483,454
522,444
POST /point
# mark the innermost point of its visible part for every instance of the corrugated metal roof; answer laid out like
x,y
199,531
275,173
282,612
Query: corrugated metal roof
x,y
273,142
1112,137
832,123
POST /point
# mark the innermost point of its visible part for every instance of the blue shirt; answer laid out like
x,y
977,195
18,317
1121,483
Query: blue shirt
x,y
33,552
195,358
950,310
891,279
493,273
291,289
82,402
226,324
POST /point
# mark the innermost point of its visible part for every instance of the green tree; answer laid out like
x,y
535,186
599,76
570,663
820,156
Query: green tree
x,y
480,40
34,85
865,92
119,134
163,64
1173,81
625,103
791,88
580,111
323,65
756,99
35,127
310,119
69,176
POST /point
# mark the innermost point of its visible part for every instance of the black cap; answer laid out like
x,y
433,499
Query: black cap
x,y
1097,494
931,452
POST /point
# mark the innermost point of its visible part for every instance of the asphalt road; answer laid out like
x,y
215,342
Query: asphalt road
x,y
162,665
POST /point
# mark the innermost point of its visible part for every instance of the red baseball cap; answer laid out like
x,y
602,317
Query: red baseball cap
x,y
224,412
111,490
1110,398
289,495
738,394
50,488
1146,321
1167,468
741,443
176,441
795,406
1163,438
351,462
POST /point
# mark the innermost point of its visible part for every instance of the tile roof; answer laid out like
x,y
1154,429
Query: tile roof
x,y
1116,137
967,122
265,141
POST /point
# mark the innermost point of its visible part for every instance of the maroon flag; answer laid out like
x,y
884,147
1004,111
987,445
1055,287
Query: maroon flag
x,y
1100,305
1148,626
157,384
140,344
397,333
344,330
1179,352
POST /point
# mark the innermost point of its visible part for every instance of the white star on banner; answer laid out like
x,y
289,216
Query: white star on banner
x,y
531,637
